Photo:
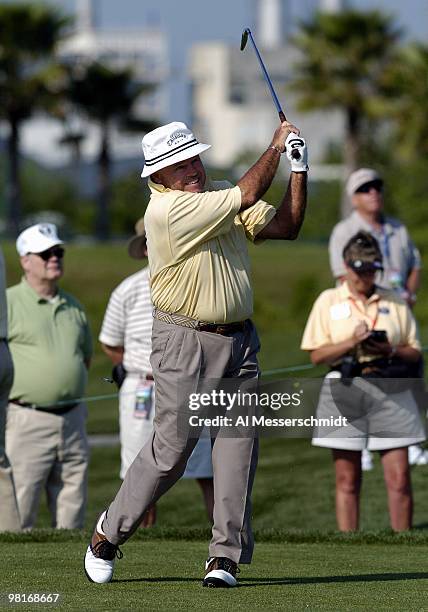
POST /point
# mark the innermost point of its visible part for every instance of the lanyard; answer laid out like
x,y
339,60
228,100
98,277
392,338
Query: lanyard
x,y
372,321
385,242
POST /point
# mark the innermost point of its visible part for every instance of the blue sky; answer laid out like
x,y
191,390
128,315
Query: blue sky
x,y
190,21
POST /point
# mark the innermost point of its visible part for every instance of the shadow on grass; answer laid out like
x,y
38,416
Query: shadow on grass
x,y
249,582
421,526
157,579
252,582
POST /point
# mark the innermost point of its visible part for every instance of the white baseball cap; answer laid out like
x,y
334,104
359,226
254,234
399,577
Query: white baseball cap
x,y
359,178
167,145
37,238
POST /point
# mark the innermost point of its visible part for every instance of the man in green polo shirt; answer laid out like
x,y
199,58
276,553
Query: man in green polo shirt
x,y
9,517
51,347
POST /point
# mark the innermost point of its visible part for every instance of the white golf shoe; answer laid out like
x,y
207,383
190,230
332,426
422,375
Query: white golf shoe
x,y
417,455
100,556
220,573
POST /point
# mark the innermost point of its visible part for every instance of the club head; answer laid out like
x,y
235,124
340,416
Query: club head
x,y
244,38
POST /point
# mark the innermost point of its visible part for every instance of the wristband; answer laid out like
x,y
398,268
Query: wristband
x,y
275,148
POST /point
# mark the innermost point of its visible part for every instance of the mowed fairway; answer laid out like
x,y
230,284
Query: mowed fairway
x,y
166,575
311,568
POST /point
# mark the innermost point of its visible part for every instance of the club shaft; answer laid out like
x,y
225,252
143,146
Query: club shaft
x,y
269,82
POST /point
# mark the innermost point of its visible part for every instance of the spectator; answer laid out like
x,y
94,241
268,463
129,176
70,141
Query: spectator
x,y
401,259
9,517
339,333
126,339
50,343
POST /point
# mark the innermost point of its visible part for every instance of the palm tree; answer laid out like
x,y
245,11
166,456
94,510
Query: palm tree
x,y
28,36
107,96
344,57
407,83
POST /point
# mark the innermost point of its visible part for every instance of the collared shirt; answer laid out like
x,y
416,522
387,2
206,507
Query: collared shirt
x,y
3,307
400,255
198,255
128,321
49,341
337,312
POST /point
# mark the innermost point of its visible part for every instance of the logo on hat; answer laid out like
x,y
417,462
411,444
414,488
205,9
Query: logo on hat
x,y
175,137
46,230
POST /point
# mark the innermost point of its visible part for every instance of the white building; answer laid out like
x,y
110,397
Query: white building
x,y
144,50
231,104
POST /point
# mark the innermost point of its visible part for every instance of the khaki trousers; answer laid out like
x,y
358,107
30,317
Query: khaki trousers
x,y
49,451
179,354
9,516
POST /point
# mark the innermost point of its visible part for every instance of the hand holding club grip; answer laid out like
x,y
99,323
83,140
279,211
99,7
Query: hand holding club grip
x,y
297,153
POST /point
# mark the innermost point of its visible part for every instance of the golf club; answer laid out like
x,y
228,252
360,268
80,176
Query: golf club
x,y
244,39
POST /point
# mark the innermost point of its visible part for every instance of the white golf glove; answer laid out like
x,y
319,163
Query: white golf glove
x,y
297,153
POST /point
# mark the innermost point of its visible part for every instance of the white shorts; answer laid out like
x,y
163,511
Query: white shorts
x,y
135,432
376,420
200,464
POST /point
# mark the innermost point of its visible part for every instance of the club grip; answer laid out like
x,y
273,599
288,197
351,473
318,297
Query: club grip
x,y
294,153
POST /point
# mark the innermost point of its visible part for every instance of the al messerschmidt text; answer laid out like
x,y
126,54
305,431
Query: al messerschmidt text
x,y
263,421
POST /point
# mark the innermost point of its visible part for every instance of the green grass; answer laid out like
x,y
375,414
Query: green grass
x,y
167,576
313,567
294,490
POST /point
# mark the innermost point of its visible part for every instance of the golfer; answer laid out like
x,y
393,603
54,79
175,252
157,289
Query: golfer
x,y
201,291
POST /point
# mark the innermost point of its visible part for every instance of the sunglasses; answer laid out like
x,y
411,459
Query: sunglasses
x,y
365,267
53,252
367,187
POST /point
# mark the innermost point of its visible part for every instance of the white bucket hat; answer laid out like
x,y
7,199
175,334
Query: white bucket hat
x,y
167,145
37,238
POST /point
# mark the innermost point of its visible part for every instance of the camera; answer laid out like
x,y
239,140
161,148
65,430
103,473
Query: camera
x,y
378,335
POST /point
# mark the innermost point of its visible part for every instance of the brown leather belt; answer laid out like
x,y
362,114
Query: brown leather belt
x,y
51,409
224,329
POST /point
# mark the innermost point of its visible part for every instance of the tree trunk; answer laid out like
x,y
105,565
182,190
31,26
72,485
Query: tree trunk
x,y
102,222
351,154
13,186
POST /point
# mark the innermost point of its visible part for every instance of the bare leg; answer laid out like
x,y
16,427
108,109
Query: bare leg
x,y
348,486
207,487
399,487
149,518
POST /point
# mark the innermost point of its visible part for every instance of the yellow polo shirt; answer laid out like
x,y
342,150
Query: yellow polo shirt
x,y
198,255
337,312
